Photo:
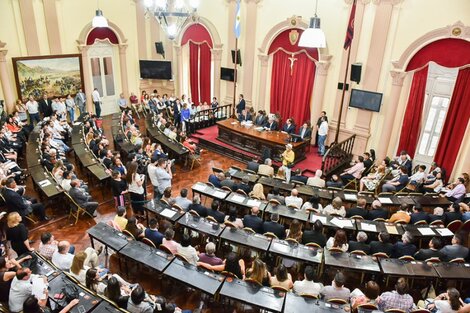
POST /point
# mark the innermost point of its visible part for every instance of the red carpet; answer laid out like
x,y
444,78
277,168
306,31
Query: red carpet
x,y
310,164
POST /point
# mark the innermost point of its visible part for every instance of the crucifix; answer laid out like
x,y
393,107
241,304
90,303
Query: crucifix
x,y
292,59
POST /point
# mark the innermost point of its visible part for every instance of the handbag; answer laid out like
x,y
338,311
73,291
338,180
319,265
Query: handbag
x,y
70,292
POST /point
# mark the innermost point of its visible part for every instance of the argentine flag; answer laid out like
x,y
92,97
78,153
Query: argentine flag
x,y
237,21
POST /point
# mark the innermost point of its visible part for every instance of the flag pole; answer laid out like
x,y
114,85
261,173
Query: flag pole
x,y
347,44
235,78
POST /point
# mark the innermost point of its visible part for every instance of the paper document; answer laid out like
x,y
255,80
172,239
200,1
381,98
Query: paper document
x,y
385,200
368,227
77,123
44,183
253,203
232,171
341,223
444,232
350,197
426,231
238,198
168,213
220,194
391,229
200,187
39,286
314,218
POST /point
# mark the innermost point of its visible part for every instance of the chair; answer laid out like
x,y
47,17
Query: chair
x,y
242,192
274,202
230,224
437,223
406,258
210,184
181,257
163,201
293,206
76,210
385,194
226,188
367,306
254,282
433,260
454,225
211,219
292,241
128,234
420,311
229,274
337,301
381,255
400,222
466,226
148,242
193,213
250,171
236,168
457,260
358,252
335,250
280,288
422,222
217,170
394,311
270,235
165,249
248,230
313,245
365,193
379,219
334,188
194,158
297,182
357,217
431,194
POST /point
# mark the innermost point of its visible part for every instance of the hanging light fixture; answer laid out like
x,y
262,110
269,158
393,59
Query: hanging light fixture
x,y
313,36
99,20
171,15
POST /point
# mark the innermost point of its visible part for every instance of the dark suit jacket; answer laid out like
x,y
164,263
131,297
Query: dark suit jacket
x,y
245,187
261,120
272,126
452,216
377,213
200,209
354,245
219,216
400,249
253,166
433,218
357,211
367,164
290,129
377,246
253,222
14,202
229,183
79,196
424,254
242,118
214,180
419,216
240,106
299,178
307,134
274,228
154,235
313,236
45,107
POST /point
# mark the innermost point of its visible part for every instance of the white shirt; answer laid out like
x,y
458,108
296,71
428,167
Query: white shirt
x,y
418,177
32,107
134,187
291,200
316,182
307,287
323,129
20,290
96,96
62,261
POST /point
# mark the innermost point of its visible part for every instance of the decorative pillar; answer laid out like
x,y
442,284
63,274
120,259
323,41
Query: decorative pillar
x,y
87,84
391,110
52,26
216,54
123,64
154,37
141,31
29,26
231,46
321,72
179,70
263,76
249,56
5,80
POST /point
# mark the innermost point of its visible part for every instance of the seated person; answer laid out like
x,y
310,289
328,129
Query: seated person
x,y
418,214
360,244
335,208
434,186
418,178
397,299
257,192
245,116
168,241
139,301
21,288
253,166
305,132
281,278
402,160
313,204
339,241
458,192
337,289
294,199
401,215
244,185
228,182
214,211
197,207
182,200
209,256
120,217
298,177
383,245
232,218
448,301
455,250
261,119
397,183
453,213
315,235
232,264
153,234
433,252
404,247
49,245
136,229
316,181
437,214
274,194
289,126
253,221
372,180
62,258
335,182
272,124
359,210
274,227
307,285
187,251
266,168
377,211
354,172
369,296
82,199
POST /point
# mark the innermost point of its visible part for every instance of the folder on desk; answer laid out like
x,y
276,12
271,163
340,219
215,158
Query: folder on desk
x,y
384,200
391,229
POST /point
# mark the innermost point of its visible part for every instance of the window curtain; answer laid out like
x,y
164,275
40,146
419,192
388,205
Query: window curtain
x,y
411,127
456,122
291,91
205,72
194,71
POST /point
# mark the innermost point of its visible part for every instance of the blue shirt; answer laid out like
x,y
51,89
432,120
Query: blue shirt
x,y
185,115
155,236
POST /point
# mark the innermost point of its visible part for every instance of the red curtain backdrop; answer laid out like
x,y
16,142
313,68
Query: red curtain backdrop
x,y
194,71
205,72
414,110
291,94
456,122
101,33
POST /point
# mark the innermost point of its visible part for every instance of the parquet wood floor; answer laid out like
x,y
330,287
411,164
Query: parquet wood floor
x,y
62,228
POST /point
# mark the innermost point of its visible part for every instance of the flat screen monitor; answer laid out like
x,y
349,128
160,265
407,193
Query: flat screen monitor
x,y
227,74
155,69
366,100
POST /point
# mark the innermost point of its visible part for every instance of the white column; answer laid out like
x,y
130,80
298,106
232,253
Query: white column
x,y
123,65
262,84
87,84
216,54
321,72
179,70
5,80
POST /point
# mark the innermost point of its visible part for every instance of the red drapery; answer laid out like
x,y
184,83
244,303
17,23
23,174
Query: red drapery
x,y
410,130
291,92
194,71
205,72
456,122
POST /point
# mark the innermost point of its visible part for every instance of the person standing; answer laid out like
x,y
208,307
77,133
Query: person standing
x,y
185,116
33,110
319,121
97,102
20,107
70,104
80,101
45,106
288,157
322,134
241,104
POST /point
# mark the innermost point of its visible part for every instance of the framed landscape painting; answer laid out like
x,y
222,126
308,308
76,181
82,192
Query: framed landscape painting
x,y
56,75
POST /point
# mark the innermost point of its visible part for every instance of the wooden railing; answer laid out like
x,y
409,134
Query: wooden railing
x,y
337,156
205,118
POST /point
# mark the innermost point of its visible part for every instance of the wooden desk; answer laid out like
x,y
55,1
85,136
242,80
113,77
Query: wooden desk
x,y
241,237
296,251
201,225
253,141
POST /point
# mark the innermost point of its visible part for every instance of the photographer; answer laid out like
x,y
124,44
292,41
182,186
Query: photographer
x,y
136,189
160,175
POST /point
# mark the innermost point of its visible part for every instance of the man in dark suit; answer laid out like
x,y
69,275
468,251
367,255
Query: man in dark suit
x,y
305,132
253,166
271,124
177,112
16,202
299,177
289,127
404,247
153,234
215,179
315,235
367,163
253,221
377,211
418,214
197,207
45,106
228,182
245,116
215,213
453,213
383,245
241,104
360,209
82,199
274,227
244,185
433,252
261,119
360,244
